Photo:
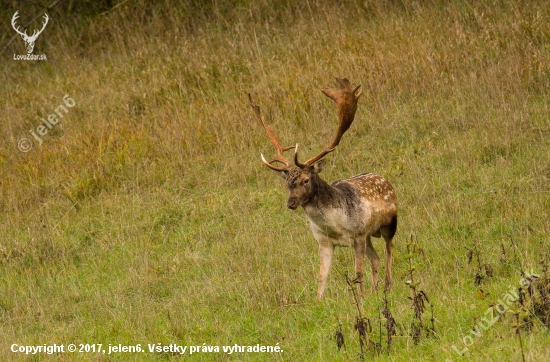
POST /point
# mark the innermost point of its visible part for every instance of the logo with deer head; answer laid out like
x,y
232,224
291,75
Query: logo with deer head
x,y
29,40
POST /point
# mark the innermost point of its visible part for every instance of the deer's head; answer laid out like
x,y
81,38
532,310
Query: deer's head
x,y
29,40
302,179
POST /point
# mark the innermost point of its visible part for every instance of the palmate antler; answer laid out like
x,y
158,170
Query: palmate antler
x,y
346,103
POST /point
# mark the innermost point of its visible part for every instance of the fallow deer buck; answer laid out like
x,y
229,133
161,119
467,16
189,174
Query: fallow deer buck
x,y
347,212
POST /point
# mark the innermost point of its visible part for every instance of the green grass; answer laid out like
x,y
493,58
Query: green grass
x,y
146,216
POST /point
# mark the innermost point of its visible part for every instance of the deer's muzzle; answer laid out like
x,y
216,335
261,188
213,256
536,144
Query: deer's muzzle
x,y
292,203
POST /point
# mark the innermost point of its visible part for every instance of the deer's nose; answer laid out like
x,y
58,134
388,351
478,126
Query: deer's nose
x,y
292,203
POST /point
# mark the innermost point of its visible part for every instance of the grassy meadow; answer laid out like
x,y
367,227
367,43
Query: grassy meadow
x,y
146,215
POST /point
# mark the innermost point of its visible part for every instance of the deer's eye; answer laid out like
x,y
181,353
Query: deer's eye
x,y
306,181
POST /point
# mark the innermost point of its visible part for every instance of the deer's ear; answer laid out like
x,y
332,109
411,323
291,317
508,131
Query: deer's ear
x,y
282,174
319,166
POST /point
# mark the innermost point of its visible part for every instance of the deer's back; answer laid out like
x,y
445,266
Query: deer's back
x,y
372,187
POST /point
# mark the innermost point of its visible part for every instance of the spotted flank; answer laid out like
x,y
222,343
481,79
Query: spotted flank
x,y
373,187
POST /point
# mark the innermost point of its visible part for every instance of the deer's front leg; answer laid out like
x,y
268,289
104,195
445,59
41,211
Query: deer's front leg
x,y
360,252
374,263
326,250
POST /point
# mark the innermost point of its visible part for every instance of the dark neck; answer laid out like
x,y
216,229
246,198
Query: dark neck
x,y
341,196
323,193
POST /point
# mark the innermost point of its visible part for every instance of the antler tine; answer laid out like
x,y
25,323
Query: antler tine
x,y
36,31
46,19
346,104
280,158
13,24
